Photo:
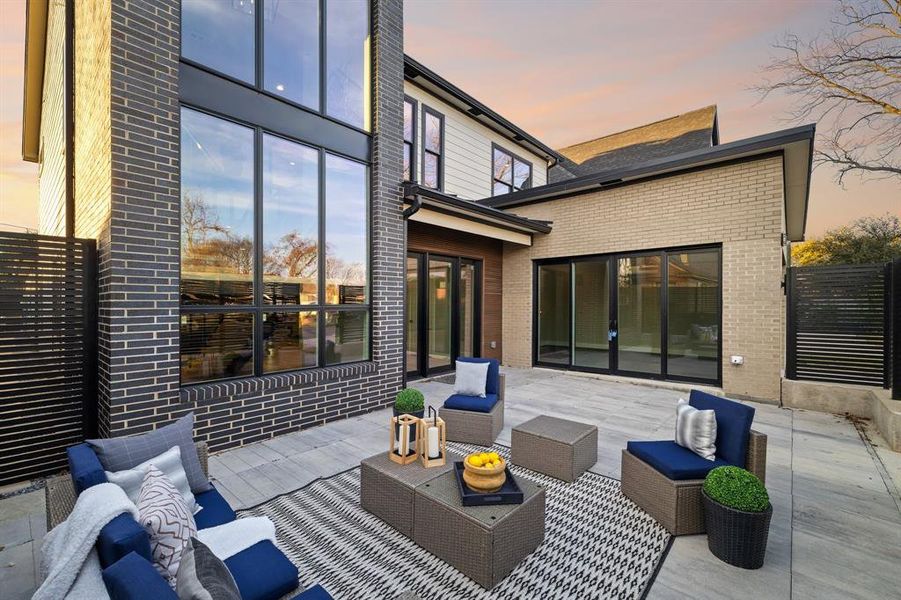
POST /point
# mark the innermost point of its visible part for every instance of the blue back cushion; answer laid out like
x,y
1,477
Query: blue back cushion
x,y
262,572
134,578
674,461
84,467
493,385
120,537
733,425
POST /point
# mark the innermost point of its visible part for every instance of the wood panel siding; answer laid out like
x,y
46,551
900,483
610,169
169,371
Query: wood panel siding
x,y
52,157
467,149
422,237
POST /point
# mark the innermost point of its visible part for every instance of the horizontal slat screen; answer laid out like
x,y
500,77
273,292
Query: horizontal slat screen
x,y
837,324
47,351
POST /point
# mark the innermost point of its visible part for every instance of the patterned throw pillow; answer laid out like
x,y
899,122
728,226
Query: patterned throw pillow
x,y
203,576
165,516
696,429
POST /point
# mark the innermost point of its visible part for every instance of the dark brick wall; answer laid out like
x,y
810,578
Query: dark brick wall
x,y
139,305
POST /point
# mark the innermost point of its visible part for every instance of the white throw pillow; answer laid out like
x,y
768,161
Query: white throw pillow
x,y
166,519
696,429
169,463
471,378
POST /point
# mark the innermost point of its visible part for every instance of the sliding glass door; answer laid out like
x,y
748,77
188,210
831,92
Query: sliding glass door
x,y
645,314
443,304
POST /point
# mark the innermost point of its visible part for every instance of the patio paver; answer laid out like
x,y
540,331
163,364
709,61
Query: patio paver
x,y
836,529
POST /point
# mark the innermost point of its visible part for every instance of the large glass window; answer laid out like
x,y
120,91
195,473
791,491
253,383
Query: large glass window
x,y
639,297
409,139
553,313
591,314
432,149
217,211
221,35
239,319
693,315
347,58
291,50
511,173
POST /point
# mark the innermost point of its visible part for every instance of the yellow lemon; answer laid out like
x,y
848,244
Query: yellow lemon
x,y
484,456
475,460
495,457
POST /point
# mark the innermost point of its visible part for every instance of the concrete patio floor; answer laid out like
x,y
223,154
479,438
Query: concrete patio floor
x,y
836,529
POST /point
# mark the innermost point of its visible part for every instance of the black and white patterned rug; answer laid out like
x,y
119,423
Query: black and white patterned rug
x,y
597,544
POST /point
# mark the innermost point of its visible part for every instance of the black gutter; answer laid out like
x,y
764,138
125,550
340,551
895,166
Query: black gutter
x,y
666,165
414,192
69,112
413,68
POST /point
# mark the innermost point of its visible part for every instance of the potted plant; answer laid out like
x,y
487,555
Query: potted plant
x,y
737,513
409,401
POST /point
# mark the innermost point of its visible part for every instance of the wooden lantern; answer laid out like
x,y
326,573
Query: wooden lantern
x,y
400,449
431,440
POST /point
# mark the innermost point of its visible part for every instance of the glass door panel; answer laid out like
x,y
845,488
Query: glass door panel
x,y
413,312
439,320
591,314
467,308
693,314
553,314
639,286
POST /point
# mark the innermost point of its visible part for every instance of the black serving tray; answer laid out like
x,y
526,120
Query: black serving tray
x,y
508,494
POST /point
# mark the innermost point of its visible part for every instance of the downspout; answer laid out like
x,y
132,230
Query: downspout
x,y
413,208
69,110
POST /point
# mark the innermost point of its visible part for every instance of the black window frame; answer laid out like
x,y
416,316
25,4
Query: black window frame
x,y
258,80
514,158
412,142
258,308
612,259
427,110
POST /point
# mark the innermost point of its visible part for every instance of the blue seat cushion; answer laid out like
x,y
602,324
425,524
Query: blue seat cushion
x,y
84,467
493,384
262,572
134,578
472,403
733,425
672,460
215,511
317,592
119,537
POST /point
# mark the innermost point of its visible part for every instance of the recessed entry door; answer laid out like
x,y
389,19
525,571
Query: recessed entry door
x,y
443,308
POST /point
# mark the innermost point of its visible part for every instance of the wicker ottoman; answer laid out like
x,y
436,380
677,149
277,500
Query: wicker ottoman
x,y
386,488
556,447
484,543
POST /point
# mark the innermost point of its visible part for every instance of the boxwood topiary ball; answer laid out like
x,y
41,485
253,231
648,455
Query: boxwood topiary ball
x,y
409,400
737,488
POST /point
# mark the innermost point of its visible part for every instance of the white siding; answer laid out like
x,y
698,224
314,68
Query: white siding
x,y
467,149
52,180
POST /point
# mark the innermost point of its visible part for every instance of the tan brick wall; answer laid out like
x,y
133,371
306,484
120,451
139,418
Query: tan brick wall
x,y
737,205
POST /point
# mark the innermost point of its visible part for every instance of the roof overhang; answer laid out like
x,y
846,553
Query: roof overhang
x,y
35,47
437,208
438,86
795,145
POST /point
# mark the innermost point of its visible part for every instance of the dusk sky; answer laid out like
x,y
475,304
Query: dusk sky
x,y
565,71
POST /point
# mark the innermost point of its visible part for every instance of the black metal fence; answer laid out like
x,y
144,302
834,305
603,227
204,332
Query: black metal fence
x,y
839,324
48,351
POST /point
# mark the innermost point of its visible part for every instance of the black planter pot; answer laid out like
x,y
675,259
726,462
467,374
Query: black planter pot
x,y
735,536
418,414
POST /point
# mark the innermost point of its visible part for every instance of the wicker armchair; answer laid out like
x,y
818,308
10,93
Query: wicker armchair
x,y
677,504
476,427
59,492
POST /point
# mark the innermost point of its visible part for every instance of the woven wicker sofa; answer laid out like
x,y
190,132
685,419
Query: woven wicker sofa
x,y
676,503
473,426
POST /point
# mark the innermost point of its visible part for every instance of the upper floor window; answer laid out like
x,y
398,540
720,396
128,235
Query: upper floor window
x,y
510,173
410,106
432,148
221,35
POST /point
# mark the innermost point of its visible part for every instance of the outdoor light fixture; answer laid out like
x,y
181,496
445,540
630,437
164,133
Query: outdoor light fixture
x,y
402,448
431,440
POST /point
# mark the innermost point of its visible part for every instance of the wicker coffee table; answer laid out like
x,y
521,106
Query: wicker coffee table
x,y
483,542
556,447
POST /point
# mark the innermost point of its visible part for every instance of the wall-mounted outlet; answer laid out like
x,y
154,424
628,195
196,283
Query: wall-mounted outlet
x,y
493,344
737,360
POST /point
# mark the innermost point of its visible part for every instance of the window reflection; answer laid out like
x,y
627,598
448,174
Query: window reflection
x,y
432,149
346,336
291,50
220,34
409,140
511,173
290,341
638,296
216,210
346,235
693,280
290,222
347,58
216,346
